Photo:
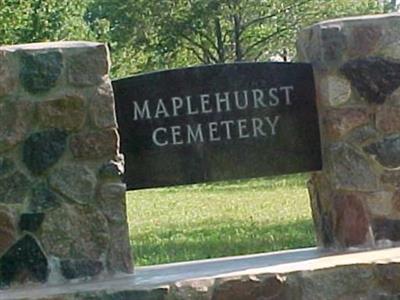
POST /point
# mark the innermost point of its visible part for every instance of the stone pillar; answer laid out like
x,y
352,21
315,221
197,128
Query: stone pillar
x,y
62,203
356,198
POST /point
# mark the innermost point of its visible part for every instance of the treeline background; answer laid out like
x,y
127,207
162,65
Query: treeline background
x,y
146,35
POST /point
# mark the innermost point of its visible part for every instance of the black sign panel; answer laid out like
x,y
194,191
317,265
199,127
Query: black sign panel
x,y
217,122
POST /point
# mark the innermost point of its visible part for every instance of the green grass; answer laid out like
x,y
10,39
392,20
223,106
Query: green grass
x,y
219,219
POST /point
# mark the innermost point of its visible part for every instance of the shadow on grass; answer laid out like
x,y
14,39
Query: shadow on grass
x,y
261,183
212,239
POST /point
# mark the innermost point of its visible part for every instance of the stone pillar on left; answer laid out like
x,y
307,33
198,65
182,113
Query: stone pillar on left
x,y
62,202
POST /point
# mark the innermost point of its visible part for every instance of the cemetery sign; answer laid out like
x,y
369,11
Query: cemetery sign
x,y
217,122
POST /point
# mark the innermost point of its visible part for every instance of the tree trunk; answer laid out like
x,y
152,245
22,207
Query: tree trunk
x,y
220,42
237,32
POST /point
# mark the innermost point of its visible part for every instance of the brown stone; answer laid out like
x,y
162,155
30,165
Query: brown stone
x,y
15,122
387,119
8,231
388,276
365,39
339,122
102,107
88,66
351,223
75,232
396,201
250,288
95,144
199,289
66,113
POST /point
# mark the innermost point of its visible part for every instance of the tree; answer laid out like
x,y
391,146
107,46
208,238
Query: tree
x,y
170,33
42,20
389,5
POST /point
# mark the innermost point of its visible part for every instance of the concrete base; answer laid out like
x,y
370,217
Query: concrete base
x,y
296,274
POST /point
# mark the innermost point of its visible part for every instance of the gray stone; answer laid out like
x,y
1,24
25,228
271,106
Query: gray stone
x,y
31,221
391,177
112,170
14,188
337,283
386,151
386,229
379,203
43,199
75,182
23,262
15,122
351,170
333,43
8,75
394,98
43,149
307,45
154,294
6,166
391,52
67,113
374,78
112,201
335,90
40,72
119,257
75,232
88,66
71,268
102,107
363,135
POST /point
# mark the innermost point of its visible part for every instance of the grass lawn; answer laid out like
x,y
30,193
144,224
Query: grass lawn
x,y
219,219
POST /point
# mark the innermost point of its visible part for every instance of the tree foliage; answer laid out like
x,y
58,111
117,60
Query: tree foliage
x,y
146,35
24,21
173,33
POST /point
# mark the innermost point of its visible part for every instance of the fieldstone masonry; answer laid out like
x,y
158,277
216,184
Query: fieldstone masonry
x,y
62,206
62,203
356,198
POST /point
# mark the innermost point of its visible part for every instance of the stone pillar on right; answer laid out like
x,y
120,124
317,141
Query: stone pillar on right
x,y
355,199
